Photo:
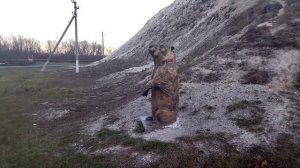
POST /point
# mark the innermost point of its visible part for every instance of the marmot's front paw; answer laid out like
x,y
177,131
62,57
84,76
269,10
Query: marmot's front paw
x,y
149,84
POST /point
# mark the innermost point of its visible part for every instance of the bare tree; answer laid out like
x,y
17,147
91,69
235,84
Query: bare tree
x,y
31,46
1,43
83,47
67,47
50,46
99,50
19,48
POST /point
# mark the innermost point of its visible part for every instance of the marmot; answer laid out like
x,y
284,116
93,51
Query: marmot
x,y
163,85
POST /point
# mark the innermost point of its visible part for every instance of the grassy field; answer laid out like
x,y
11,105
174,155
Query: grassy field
x,y
22,142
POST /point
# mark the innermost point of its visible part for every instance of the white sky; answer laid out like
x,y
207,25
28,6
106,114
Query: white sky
x,y
46,19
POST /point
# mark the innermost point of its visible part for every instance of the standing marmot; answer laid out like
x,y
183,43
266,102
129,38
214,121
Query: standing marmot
x,y
163,85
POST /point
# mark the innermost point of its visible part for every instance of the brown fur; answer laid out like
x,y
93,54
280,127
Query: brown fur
x,y
163,85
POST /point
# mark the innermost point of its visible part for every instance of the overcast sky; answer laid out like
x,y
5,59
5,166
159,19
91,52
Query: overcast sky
x,y
46,19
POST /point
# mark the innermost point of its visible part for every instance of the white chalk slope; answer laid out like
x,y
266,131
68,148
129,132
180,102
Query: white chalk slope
x,y
217,43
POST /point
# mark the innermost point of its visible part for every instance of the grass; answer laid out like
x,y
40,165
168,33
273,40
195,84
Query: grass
x,y
15,98
81,161
252,122
139,128
256,77
21,143
285,155
111,119
68,138
243,104
191,157
204,136
249,123
112,137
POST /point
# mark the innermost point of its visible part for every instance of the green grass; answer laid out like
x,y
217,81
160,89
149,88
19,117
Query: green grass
x,y
205,137
21,143
253,122
285,155
139,128
246,123
112,137
19,146
111,119
243,104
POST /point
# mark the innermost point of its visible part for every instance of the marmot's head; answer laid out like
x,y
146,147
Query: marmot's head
x,y
162,54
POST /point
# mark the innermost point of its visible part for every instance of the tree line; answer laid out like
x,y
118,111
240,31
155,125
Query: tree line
x,y
23,48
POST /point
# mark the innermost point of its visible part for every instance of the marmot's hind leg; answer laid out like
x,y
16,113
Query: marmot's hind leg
x,y
166,116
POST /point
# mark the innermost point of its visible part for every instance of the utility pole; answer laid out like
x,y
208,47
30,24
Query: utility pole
x,y
103,49
53,51
76,35
74,17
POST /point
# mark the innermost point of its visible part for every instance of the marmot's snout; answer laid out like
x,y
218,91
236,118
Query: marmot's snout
x,y
152,49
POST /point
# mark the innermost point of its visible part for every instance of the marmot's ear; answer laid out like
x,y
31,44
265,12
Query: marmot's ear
x,y
172,48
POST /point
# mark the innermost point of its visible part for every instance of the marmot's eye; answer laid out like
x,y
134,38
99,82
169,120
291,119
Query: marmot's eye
x,y
172,48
